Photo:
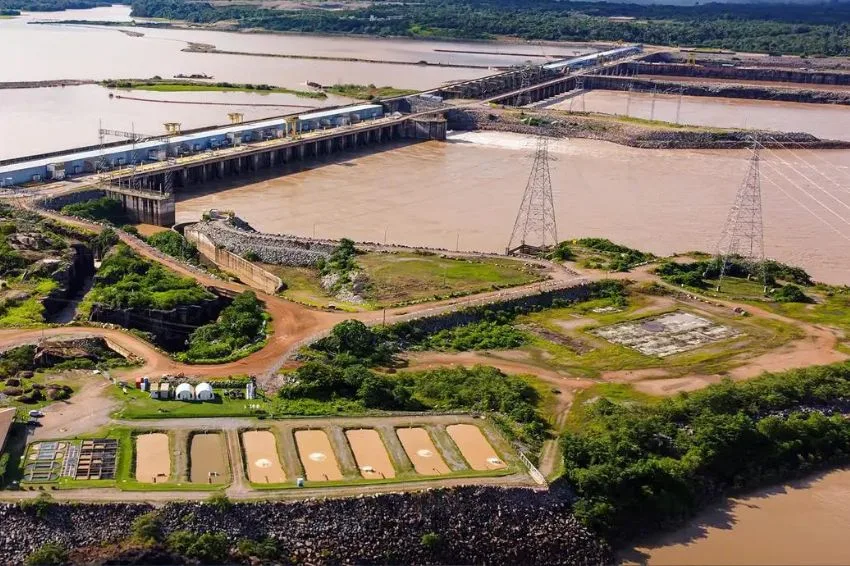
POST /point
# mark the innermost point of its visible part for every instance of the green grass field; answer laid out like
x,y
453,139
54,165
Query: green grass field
x,y
584,354
188,86
617,393
402,278
367,92
397,279
138,404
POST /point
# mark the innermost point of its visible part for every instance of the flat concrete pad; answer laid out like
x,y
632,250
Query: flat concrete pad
x,y
665,335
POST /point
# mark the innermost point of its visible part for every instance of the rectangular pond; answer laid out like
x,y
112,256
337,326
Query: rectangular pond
x,y
153,458
208,460
423,454
317,455
261,457
475,447
370,453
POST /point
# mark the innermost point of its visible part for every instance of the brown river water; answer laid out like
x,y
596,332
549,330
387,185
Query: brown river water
x,y
829,121
466,193
805,522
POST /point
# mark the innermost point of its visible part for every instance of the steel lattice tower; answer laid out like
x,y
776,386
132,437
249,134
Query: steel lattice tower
x,y
743,235
535,228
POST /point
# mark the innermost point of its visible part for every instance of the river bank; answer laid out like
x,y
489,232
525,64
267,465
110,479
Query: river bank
x,y
631,132
471,525
800,522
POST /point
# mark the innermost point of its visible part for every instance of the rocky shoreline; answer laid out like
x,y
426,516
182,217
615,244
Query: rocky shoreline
x,y
474,525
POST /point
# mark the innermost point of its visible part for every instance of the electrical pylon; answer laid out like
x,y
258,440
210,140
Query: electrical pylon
x,y
535,229
743,235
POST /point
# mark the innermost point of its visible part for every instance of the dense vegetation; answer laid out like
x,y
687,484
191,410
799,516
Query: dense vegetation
x,y
239,330
698,273
367,92
175,245
608,255
49,5
102,209
818,29
637,466
354,388
125,280
495,334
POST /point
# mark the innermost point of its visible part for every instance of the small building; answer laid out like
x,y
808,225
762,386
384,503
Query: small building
x,y
161,390
204,392
250,390
184,392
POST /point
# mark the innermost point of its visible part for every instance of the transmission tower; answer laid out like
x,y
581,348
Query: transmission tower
x,y
535,229
743,235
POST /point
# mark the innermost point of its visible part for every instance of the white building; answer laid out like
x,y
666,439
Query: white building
x,y
184,392
204,392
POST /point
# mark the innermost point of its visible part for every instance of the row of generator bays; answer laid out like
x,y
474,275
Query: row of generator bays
x,y
59,165
90,459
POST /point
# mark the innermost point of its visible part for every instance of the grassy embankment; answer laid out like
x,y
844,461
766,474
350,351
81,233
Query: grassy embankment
x,y
404,278
367,92
167,85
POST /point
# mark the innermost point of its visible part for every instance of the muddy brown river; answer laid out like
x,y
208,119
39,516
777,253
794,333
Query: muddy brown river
x,y
805,522
467,192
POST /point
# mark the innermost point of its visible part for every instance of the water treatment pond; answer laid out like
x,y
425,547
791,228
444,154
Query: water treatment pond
x,y
261,457
317,455
476,450
423,454
153,458
370,453
209,464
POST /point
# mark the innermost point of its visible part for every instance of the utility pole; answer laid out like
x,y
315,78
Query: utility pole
x,y
743,234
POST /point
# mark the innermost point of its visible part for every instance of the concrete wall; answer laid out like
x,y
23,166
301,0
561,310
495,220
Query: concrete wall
x,y
247,272
155,209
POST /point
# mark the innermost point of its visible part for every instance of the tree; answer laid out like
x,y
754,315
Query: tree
x,y
353,337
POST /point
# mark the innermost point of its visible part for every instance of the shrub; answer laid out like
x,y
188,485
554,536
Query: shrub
x,y
39,507
175,245
265,549
220,501
147,528
251,255
791,293
48,554
431,541
238,327
102,209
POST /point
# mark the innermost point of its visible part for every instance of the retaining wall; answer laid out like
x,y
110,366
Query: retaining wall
x,y
247,272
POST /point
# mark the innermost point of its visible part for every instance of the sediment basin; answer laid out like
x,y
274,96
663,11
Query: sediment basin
x,y
423,454
370,453
317,455
208,462
153,458
476,449
261,457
